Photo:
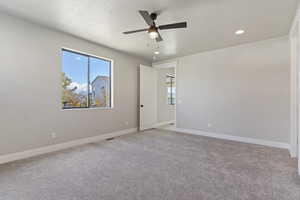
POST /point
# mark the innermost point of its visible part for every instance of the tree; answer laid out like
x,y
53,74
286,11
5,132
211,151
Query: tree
x,y
69,97
66,81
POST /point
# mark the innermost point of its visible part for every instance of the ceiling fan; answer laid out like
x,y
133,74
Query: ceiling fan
x,y
153,29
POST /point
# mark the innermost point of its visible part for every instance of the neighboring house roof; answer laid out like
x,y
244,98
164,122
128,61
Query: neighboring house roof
x,y
100,78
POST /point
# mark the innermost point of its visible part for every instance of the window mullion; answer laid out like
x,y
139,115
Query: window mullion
x,y
88,83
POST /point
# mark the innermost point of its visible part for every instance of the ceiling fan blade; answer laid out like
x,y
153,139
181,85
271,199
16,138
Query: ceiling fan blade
x,y
173,26
146,17
159,38
136,31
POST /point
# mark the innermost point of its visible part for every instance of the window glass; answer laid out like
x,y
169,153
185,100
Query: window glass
x,y
171,89
86,81
74,80
100,82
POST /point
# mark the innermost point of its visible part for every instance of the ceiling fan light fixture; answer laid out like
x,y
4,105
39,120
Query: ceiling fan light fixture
x,y
153,34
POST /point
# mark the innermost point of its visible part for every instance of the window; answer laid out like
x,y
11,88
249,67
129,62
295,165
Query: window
x,y
86,81
171,88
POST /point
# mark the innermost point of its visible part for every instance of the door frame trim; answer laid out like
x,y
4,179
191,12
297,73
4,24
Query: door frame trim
x,y
294,37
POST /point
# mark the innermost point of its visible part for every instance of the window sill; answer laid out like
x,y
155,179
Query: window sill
x,y
87,109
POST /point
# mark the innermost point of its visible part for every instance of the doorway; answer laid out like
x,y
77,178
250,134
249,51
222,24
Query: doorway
x,y
158,94
166,96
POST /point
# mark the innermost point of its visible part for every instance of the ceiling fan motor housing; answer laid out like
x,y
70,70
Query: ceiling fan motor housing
x,y
152,29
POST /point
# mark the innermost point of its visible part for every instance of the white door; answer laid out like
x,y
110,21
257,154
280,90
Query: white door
x,y
148,97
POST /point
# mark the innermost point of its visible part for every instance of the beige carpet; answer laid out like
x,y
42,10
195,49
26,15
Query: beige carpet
x,y
155,165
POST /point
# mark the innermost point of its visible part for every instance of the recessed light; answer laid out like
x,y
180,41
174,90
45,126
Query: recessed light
x,y
156,52
239,32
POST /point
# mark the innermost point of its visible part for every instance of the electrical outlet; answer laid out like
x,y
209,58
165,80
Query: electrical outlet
x,y
126,123
53,135
209,125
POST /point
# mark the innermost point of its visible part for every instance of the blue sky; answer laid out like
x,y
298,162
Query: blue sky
x,y
75,67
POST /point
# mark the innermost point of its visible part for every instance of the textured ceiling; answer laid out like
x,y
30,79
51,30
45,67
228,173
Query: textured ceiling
x,y
211,23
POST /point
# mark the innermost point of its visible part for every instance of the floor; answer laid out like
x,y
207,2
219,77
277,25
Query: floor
x,y
154,165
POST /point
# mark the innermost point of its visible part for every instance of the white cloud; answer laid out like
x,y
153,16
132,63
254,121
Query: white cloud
x,y
81,88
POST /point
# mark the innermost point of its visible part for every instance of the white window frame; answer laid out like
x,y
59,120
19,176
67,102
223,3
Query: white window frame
x,y
111,107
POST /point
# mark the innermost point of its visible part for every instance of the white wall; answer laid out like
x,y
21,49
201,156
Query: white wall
x,y
31,89
241,91
165,112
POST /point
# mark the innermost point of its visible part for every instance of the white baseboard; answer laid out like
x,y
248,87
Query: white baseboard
x,y
231,137
57,147
156,125
163,123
